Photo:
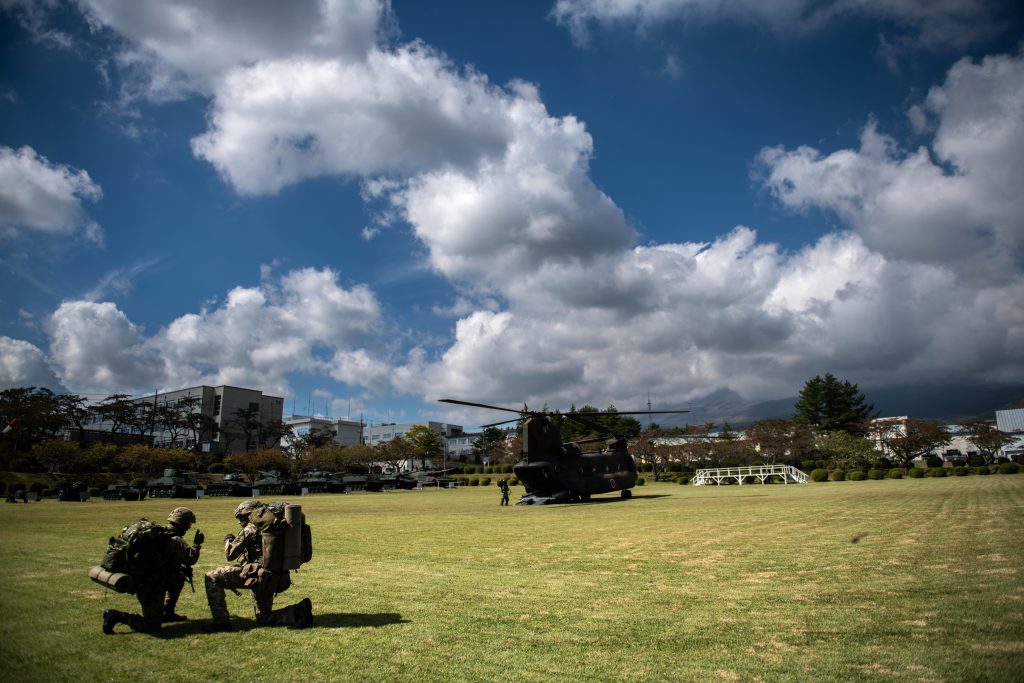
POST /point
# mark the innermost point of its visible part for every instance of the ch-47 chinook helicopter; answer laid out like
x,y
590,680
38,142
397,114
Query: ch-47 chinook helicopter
x,y
556,472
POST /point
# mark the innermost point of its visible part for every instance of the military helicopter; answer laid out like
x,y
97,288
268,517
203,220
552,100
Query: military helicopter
x,y
556,472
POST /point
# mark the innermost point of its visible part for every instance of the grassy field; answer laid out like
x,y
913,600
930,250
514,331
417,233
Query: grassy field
x,y
678,584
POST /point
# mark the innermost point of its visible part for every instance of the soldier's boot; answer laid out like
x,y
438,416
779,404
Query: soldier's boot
x,y
170,616
303,614
111,618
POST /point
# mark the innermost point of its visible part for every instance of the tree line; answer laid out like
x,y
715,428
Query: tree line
x,y
832,421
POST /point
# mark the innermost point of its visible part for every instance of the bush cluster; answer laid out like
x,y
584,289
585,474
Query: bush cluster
x,y
936,471
820,474
876,474
915,473
895,473
856,475
1009,468
837,475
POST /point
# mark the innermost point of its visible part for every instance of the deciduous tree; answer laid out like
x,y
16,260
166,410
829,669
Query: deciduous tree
x,y
986,437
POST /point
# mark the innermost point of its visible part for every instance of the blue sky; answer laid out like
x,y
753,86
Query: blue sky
x,y
366,206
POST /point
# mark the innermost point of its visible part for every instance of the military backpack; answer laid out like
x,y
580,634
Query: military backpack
x,y
287,539
141,549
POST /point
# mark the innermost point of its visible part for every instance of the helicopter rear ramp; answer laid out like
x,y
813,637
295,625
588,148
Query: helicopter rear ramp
x,y
761,473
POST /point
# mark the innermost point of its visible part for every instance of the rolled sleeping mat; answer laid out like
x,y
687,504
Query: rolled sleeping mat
x,y
122,583
293,536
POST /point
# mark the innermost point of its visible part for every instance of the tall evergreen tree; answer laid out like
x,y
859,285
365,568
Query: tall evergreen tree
x,y
831,404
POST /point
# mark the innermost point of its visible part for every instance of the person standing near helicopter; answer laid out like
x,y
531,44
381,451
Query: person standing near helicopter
x,y
503,486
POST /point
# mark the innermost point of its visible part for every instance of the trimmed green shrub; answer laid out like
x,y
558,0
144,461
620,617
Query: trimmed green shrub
x,y
960,471
936,471
837,475
856,475
639,482
485,481
820,464
876,474
933,461
807,465
916,473
1009,468
981,469
685,479
474,481
819,474
513,481
895,473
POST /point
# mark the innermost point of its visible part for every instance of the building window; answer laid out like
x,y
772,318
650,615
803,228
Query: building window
x,y
216,405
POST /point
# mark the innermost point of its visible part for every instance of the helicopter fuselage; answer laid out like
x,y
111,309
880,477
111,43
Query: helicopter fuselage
x,y
581,475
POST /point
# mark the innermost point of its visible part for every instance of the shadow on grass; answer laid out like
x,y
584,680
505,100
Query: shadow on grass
x,y
355,620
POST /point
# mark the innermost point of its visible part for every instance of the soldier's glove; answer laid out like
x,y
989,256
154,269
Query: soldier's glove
x,y
198,538
229,537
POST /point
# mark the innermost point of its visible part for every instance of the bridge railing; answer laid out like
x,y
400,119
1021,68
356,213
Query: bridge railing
x,y
759,473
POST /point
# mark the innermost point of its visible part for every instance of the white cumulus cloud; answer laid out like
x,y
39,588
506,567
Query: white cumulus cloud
x,y
922,22
36,194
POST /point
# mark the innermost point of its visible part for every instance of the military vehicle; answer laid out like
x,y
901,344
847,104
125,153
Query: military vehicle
x,y
124,492
556,472
174,484
273,483
75,491
433,478
390,479
321,482
233,484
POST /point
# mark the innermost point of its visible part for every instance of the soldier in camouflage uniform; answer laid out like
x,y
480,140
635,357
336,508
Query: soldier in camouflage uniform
x,y
250,574
169,580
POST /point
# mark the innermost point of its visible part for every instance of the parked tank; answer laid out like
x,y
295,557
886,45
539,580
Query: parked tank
x,y
174,484
321,482
233,484
124,492
273,483
75,491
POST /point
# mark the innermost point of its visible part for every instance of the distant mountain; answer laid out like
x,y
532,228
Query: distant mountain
x,y
944,402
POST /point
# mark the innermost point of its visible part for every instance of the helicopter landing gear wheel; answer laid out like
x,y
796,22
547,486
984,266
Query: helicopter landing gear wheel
x,y
626,494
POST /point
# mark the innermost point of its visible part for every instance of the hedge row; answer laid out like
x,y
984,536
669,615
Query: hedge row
x,y
821,474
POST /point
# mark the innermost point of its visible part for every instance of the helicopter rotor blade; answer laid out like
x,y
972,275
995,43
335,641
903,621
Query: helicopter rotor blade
x,y
503,422
478,405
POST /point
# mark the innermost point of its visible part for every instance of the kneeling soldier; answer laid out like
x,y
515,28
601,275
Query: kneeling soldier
x,y
251,574
167,577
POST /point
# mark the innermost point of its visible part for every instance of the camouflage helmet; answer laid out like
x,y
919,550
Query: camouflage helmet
x,y
182,517
246,507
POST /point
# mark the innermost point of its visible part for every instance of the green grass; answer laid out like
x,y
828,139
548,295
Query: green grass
x,y
680,583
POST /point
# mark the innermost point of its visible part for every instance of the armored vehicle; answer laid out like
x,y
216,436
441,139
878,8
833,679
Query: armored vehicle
x,y
233,484
273,483
321,482
174,484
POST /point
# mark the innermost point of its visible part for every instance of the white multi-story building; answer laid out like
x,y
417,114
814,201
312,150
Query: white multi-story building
x,y
346,432
1012,422
221,406
382,433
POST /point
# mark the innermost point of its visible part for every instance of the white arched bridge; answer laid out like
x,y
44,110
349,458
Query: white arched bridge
x,y
761,474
